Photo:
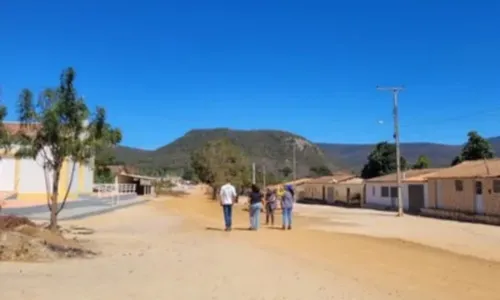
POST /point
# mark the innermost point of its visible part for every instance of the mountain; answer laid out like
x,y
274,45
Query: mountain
x,y
274,149
271,148
355,155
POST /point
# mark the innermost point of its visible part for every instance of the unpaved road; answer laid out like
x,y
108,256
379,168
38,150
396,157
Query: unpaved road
x,y
174,249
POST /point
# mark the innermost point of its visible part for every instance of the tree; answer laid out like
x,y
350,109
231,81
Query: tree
x,y
382,161
476,148
286,171
4,136
188,174
218,161
422,162
102,161
320,171
57,128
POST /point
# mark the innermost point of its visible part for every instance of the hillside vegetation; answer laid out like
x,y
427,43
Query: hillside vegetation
x,y
270,148
274,149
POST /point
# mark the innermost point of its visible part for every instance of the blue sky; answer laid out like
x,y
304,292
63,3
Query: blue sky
x,y
162,68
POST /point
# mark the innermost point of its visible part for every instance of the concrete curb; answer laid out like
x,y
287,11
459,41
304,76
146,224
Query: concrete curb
x,y
95,212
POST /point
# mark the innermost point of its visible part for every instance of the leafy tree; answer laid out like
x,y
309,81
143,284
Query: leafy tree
x,y
320,171
382,161
188,174
476,148
218,161
286,171
104,159
423,162
56,129
4,136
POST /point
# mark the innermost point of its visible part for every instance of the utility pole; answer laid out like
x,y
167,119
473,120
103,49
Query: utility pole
x,y
263,177
294,162
395,93
253,173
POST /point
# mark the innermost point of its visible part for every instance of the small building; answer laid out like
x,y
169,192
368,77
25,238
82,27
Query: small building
x,y
143,185
343,187
472,187
382,191
26,180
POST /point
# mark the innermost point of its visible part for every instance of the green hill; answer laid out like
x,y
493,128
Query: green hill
x,y
270,148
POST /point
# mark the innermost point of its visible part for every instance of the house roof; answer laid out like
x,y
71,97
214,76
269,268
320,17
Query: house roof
x,y
335,178
471,169
16,127
408,175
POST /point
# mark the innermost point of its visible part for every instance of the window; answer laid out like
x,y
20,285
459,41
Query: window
x,y
373,191
459,185
479,188
496,186
384,191
394,192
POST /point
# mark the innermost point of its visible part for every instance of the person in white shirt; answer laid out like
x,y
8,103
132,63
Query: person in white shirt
x,y
227,196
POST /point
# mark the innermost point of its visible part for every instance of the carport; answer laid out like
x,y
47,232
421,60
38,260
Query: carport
x,y
143,184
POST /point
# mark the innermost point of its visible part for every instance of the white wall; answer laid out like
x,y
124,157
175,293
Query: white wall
x,y
32,177
378,200
374,194
7,174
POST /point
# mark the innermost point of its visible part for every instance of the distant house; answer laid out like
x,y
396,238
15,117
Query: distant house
x,y
382,192
342,187
472,187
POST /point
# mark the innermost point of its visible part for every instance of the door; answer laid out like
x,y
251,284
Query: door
x,y
330,195
416,199
478,199
348,195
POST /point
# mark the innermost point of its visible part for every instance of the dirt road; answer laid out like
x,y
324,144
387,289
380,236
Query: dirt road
x,y
174,249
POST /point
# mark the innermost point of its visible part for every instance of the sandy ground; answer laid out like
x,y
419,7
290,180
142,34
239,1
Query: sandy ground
x,y
174,249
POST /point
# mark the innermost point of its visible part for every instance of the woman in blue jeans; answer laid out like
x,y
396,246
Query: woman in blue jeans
x,y
255,207
287,207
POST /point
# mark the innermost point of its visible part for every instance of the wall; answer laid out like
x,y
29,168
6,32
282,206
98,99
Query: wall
x,y
355,189
7,174
443,195
373,194
491,199
332,192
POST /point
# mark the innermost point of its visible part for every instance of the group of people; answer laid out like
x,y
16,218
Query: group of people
x,y
257,201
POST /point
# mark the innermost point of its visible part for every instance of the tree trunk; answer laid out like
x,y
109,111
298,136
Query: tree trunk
x,y
73,168
53,199
214,192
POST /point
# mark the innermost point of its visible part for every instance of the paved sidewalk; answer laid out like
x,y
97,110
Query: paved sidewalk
x,y
77,209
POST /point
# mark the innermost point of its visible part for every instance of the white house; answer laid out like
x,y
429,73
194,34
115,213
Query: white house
x,y
382,191
26,180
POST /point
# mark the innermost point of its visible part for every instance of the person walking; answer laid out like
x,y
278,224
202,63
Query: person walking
x,y
287,201
227,197
271,200
255,207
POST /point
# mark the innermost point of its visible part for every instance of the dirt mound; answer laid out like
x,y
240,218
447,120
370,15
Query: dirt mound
x,y
10,222
22,240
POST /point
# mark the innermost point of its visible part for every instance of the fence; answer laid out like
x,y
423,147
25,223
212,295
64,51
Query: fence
x,y
114,191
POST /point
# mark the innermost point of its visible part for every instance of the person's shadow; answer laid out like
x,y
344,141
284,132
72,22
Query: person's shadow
x,y
222,229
